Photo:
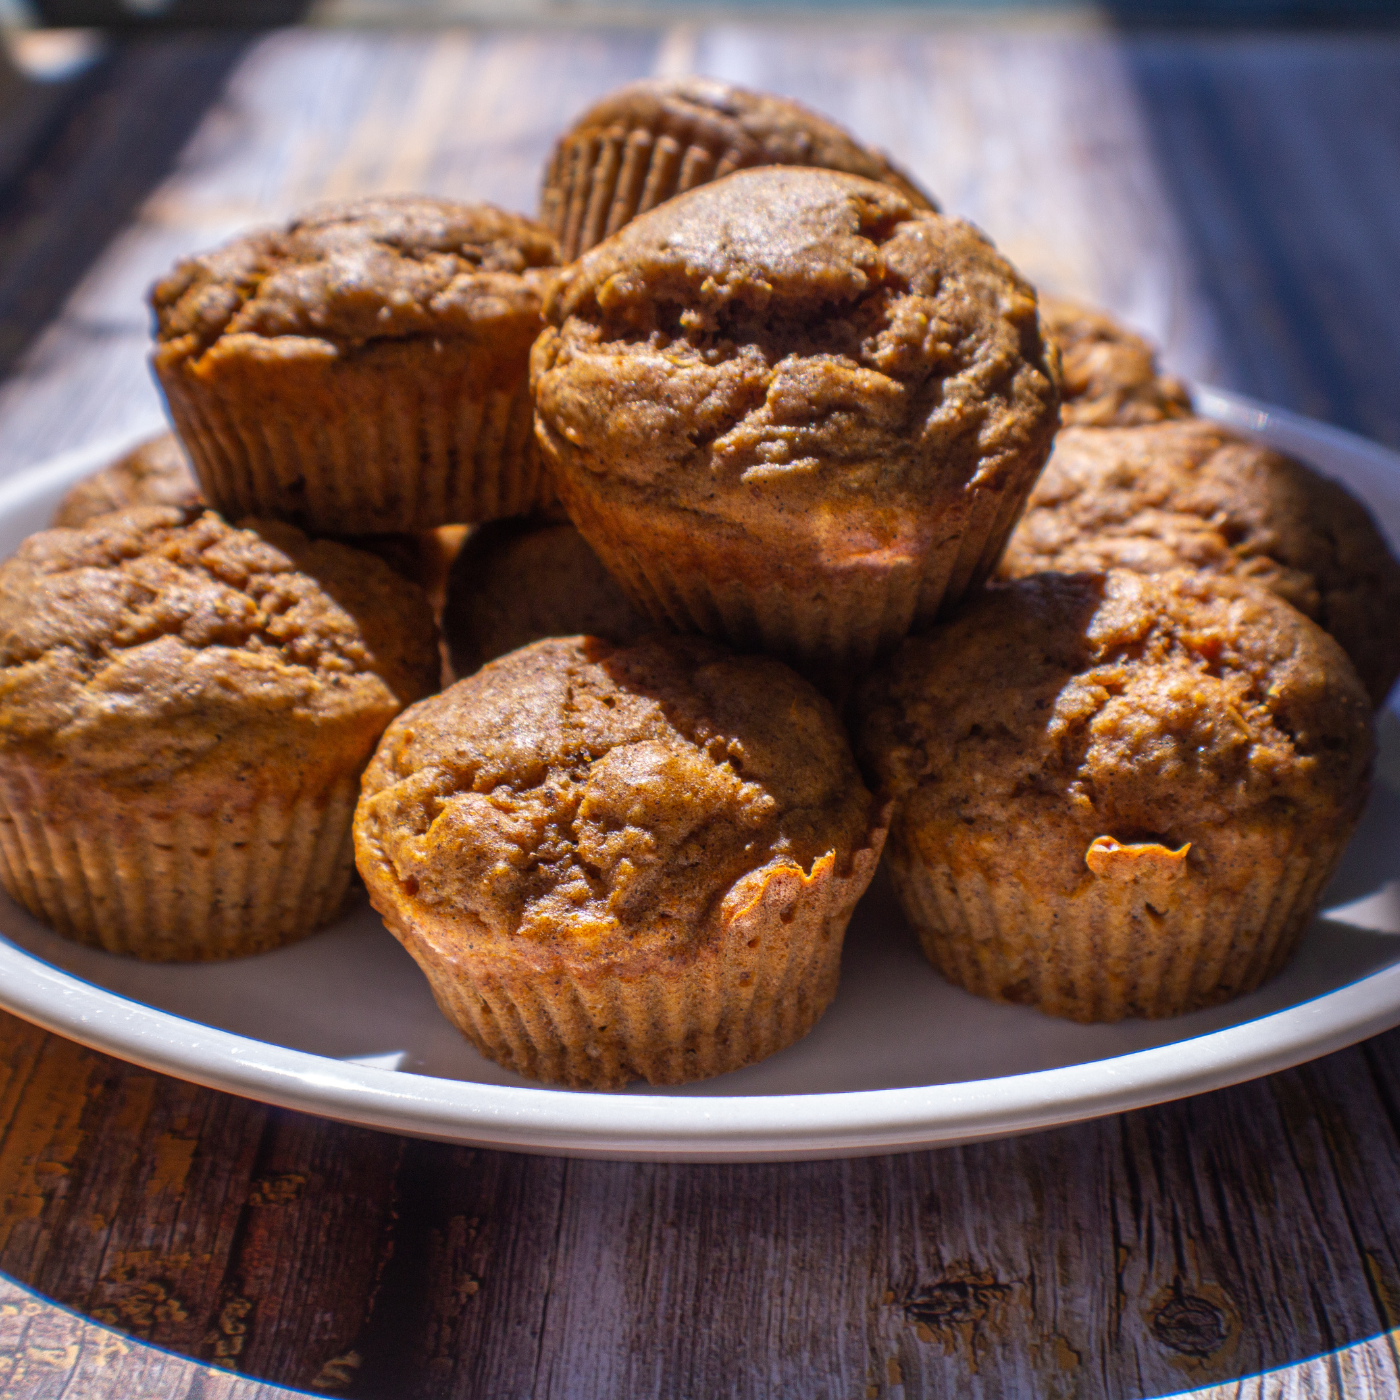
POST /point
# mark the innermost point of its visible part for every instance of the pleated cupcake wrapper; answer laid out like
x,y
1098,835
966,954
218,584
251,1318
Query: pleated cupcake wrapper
x,y
829,624
597,181
1100,954
135,875
343,448
762,985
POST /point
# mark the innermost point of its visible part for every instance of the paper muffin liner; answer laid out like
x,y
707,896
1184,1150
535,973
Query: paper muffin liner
x,y
141,875
599,180
401,436
827,620
1148,933
757,983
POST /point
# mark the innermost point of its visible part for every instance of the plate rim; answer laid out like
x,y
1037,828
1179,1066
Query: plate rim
x,y
768,1127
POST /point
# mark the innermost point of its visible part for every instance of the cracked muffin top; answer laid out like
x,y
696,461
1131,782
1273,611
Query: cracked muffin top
x,y
1147,708
365,270
607,800
1111,377
745,128
144,647
1191,494
785,340
155,473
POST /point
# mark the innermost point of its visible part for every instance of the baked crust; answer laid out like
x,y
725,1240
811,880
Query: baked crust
x,y
154,473
1117,794
1191,494
654,139
1111,378
647,838
794,382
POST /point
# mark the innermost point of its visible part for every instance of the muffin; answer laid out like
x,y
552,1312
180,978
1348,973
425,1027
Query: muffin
x,y
517,581
1117,795
362,370
621,863
1111,377
185,710
154,473
794,411
157,473
654,139
1190,494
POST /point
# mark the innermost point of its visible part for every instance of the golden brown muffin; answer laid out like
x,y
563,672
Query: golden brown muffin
x,y
517,581
1191,494
155,473
1117,795
792,410
657,138
1111,377
627,863
362,370
185,710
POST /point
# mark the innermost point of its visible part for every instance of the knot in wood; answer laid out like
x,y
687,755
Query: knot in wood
x,y
1191,1325
953,1301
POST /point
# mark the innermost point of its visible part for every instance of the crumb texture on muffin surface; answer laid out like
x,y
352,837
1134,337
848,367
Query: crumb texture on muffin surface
x,y
154,473
1111,378
1219,740
1192,494
185,710
625,839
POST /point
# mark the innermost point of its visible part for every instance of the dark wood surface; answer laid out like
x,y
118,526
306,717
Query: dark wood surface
x,y
1236,196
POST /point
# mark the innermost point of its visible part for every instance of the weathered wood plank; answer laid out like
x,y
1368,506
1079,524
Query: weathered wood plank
x,y
315,1237
48,1353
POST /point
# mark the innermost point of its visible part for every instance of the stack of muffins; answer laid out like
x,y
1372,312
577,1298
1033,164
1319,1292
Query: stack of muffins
x,y
740,433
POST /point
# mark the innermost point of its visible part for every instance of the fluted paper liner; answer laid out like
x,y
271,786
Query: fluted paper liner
x,y
143,876
599,179
758,979
1145,931
397,436
702,576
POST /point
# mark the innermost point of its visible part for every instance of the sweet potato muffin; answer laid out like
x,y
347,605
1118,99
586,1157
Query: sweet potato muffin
x,y
1117,795
362,370
1111,377
157,473
620,863
1191,494
792,410
154,473
651,140
517,581
185,710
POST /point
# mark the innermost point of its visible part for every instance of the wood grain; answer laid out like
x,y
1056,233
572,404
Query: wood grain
x,y
1192,1246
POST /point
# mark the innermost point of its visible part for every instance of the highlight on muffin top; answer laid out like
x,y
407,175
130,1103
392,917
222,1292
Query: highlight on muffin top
x,y
359,271
789,335
1144,707
144,644
579,793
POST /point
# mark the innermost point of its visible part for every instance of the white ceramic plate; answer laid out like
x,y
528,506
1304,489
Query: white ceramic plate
x,y
343,1025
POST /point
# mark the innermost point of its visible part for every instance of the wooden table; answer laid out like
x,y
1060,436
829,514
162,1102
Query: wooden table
x,y
1238,196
